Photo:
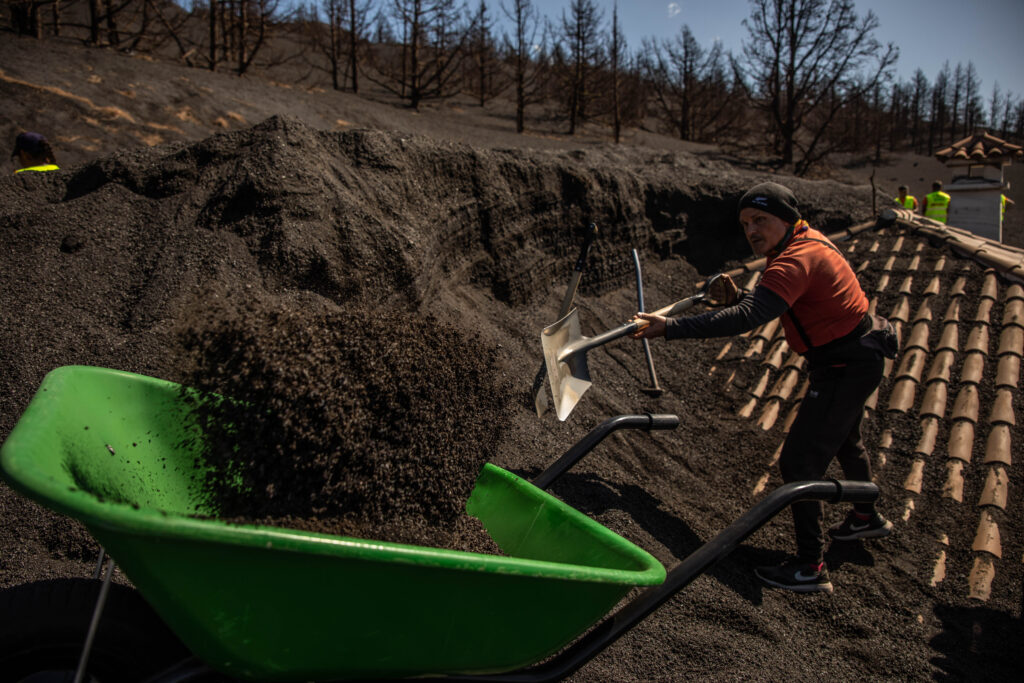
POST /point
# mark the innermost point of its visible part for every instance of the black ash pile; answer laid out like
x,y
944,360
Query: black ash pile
x,y
356,422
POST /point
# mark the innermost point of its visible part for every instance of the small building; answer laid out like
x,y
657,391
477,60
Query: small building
x,y
977,186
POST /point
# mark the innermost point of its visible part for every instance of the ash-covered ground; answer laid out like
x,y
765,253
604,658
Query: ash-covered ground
x,y
447,261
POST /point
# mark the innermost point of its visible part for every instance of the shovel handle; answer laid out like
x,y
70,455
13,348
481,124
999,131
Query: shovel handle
x,y
672,310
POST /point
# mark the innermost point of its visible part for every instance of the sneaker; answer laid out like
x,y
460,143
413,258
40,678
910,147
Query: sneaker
x,y
858,525
796,575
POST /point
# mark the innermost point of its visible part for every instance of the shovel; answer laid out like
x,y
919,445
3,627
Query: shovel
x,y
565,350
540,398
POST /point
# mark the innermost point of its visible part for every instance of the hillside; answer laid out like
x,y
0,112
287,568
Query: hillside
x,y
185,194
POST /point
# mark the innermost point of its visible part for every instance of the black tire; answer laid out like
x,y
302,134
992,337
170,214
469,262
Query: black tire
x,y
43,627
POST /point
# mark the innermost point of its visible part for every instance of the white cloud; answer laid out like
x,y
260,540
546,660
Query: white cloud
x,y
674,9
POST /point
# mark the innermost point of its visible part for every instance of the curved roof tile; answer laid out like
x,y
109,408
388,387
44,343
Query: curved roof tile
x,y
997,445
961,440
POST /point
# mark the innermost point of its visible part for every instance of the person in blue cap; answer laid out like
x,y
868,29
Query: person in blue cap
x,y
32,152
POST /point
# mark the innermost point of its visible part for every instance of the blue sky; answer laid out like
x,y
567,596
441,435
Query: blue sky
x,y
989,33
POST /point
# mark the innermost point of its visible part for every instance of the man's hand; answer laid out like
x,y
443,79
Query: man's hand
x,y
656,328
722,292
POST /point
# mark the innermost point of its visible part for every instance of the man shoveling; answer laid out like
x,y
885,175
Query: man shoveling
x,y
809,284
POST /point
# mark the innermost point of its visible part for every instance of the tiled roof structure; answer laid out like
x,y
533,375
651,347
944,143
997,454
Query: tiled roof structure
x,y
946,405
980,147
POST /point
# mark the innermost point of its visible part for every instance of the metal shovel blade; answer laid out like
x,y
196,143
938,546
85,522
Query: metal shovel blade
x,y
569,376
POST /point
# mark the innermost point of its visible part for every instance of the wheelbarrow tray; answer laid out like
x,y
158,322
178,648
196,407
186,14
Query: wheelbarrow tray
x,y
117,452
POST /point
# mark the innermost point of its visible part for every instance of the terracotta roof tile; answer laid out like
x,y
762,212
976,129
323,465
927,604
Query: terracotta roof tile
x,y
1011,341
889,263
902,310
958,287
939,571
748,408
774,357
915,477
989,288
897,246
915,262
984,311
901,398
961,440
952,311
874,246
924,311
973,368
1008,371
1014,291
907,286
1002,408
872,402
980,580
934,401
785,384
980,146
918,336
953,486
942,365
769,415
940,264
977,340
934,286
912,364
950,339
1013,313
883,283
994,491
929,432
725,349
966,405
997,445
987,537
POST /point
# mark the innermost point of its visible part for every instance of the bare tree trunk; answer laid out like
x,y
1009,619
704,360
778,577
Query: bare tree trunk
x,y
214,5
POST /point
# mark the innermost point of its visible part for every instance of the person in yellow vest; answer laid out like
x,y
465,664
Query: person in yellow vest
x,y
904,200
1004,203
936,203
32,152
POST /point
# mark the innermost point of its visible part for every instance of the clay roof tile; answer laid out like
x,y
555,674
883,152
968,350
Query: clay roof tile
x,y
929,431
984,311
950,340
1014,291
966,405
973,368
901,398
987,537
977,340
961,440
901,311
979,581
1013,312
934,401
941,366
1011,341
994,491
912,364
1002,408
1008,371
915,477
952,311
997,445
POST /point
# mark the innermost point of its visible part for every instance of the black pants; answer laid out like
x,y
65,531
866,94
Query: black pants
x,y
827,426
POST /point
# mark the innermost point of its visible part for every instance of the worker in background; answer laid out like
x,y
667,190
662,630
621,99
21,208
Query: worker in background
x,y
810,285
32,152
936,203
1004,203
904,200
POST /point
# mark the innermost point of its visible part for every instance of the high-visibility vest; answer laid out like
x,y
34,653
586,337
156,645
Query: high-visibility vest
x,y
44,167
1002,207
938,206
908,203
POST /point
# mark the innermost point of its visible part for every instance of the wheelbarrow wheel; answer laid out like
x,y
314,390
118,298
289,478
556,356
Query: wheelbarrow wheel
x,y
45,623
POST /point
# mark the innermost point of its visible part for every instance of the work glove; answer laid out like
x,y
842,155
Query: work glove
x,y
722,292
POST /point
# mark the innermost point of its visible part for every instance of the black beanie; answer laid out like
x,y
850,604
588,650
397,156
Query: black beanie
x,y
774,199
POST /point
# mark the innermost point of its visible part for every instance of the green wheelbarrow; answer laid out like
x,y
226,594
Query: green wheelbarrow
x,y
114,451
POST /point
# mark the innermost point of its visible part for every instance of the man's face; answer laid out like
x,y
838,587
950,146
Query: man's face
x,y
903,194
763,230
